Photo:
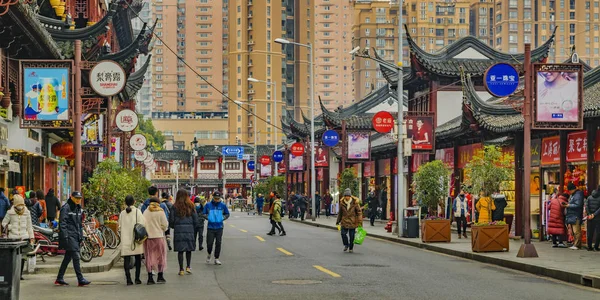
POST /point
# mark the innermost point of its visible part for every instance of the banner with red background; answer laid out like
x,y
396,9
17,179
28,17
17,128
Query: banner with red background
x,y
551,150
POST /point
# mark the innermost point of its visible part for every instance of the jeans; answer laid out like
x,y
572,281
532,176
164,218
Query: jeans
x,y
461,223
70,255
127,264
211,235
302,213
318,209
345,233
199,236
327,210
576,229
259,208
188,259
593,226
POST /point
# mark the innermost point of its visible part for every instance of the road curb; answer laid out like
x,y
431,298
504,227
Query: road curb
x,y
85,267
576,278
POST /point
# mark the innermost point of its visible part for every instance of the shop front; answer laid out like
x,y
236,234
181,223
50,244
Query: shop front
x,y
384,182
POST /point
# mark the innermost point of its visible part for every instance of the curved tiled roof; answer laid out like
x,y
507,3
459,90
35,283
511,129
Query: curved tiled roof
x,y
135,81
59,30
126,56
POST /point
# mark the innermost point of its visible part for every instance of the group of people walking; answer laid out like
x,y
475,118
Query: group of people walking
x,y
487,209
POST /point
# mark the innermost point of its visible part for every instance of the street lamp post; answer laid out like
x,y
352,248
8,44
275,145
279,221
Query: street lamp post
x,y
239,103
313,183
274,85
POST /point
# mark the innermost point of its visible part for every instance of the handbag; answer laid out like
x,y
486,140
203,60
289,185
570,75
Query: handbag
x,y
139,233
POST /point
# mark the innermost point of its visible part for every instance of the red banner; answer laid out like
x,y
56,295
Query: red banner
x,y
369,169
551,150
577,146
597,147
465,154
320,174
418,159
384,167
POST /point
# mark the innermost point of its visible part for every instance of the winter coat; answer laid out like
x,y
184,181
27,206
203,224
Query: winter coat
x,y
276,214
575,208
350,214
185,229
485,206
592,206
126,223
260,201
4,205
215,213
500,203
301,201
70,229
52,206
162,205
19,226
556,217
35,210
156,223
460,207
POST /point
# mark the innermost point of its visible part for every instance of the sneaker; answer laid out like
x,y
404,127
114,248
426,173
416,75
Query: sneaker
x,y
208,259
200,248
345,248
554,245
282,234
188,270
217,262
351,251
181,273
573,248
60,282
84,283
562,245
271,233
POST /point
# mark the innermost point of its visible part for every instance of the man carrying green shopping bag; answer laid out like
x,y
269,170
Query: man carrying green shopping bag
x,y
349,217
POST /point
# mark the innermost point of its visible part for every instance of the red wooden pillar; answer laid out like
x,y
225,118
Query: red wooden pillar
x,y
519,184
591,167
563,159
244,169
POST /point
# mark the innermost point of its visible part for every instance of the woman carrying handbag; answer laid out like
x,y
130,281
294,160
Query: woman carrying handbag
x,y
129,247
155,247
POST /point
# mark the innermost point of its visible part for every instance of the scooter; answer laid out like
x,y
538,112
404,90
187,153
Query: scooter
x,y
47,240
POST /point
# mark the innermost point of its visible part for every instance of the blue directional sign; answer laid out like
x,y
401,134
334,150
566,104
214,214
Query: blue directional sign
x,y
233,151
240,156
501,80
331,138
277,156
251,166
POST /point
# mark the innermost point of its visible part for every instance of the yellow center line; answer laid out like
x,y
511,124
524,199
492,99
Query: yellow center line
x,y
242,230
285,251
332,274
232,226
259,238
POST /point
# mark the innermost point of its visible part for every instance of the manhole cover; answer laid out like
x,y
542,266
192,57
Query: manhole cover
x,y
96,282
297,282
366,266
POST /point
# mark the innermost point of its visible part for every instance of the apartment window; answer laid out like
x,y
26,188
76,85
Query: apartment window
x,y
159,69
367,74
268,11
572,40
513,50
572,15
232,166
514,3
527,27
512,14
572,28
527,38
367,32
462,32
513,26
512,38
527,15
367,20
219,134
202,134
439,32
268,23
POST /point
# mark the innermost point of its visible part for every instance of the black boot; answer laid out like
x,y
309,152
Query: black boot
x,y
128,276
150,279
137,277
161,278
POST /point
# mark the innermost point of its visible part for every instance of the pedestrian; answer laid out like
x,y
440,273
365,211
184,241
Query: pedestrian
x,y
260,201
70,235
184,222
574,214
556,220
500,204
164,199
485,206
349,217
4,206
460,208
302,201
35,208
155,250
593,222
153,192
18,224
215,212
317,204
327,201
291,205
42,201
373,206
199,233
129,248
52,205
275,216
383,199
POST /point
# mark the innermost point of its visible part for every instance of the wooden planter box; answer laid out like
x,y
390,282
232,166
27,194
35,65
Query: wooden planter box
x,y
436,231
489,238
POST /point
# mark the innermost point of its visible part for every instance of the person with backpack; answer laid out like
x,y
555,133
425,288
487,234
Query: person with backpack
x,y
275,218
215,212
169,205
128,218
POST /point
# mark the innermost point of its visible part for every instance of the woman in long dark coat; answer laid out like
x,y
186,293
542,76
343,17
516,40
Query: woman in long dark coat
x,y
184,221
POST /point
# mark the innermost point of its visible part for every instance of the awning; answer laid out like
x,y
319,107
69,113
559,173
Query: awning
x,y
14,167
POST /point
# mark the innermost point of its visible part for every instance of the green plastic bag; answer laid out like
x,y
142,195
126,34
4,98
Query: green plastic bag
x,y
360,235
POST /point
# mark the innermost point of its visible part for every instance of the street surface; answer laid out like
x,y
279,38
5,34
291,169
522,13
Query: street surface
x,y
309,263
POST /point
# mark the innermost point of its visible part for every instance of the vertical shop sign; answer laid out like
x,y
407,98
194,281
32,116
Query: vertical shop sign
x,y
577,146
551,150
448,158
536,148
369,169
384,167
465,154
597,147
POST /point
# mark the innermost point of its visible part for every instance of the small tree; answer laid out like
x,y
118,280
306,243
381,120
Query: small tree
x,y
275,183
488,168
431,185
348,181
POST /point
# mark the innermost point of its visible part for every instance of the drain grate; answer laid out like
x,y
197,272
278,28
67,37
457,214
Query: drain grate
x,y
297,282
366,266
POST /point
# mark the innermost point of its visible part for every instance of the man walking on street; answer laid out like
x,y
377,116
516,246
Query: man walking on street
x,y
260,201
593,220
302,200
52,205
70,233
373,206
575,214
460,208
349,217
215,212
317,204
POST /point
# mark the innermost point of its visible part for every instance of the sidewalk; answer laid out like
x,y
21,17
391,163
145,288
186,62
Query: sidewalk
x,y
578,267
98,264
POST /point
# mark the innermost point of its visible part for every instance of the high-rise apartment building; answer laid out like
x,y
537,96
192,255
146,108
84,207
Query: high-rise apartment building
x,y
333,40
144,96
525,21
193,29
482,21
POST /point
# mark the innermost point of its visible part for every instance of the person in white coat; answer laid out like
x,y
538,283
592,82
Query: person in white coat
x,y
129,248
18,222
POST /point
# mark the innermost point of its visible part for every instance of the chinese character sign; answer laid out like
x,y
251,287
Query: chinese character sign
x,y
107,78
330,138
46,93
501,80
358,145
127,120
550,150
577,146
93,127
383,122
420,130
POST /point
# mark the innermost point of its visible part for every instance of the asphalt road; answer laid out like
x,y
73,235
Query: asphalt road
x,y
309,263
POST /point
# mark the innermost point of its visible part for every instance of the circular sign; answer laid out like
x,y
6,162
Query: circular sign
x,y
251,166
149,158
297,149
140,155
330,138
265,160
107,78
138,142
277,156
383,122
501,80
127,120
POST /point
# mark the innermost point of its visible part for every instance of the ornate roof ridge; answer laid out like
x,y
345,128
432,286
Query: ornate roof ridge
x,y
477,104
47,41
59,29
135,81
131,50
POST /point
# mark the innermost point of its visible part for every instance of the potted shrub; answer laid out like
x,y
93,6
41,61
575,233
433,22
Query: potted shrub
x,y
488,168
431,187
536,233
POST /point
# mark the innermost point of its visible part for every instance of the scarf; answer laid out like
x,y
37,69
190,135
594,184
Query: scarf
x,y
348,203
20,209
155,207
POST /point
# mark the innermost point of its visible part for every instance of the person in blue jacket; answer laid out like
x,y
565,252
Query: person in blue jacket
x,y
260,201
215,212
153,192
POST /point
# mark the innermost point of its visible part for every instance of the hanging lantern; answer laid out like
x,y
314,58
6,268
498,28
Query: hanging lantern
x,y
201,158
62,149
70,157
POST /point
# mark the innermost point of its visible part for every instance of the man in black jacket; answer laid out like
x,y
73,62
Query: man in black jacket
x,y
575,214
52,205
70,235
373,206
592,208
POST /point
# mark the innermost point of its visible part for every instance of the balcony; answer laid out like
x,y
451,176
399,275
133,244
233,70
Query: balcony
x,y
249,16
251,92
250,27
250,3
250,42
250,64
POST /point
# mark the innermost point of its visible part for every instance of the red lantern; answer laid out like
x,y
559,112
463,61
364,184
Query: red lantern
x,y
70,157
201,158
220,159
297,149
265,160
62,149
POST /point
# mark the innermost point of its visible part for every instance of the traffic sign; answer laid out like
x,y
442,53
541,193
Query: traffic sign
x,y
277,156
233,151
251,166
331,138
240,156
501,80
383,122
247,156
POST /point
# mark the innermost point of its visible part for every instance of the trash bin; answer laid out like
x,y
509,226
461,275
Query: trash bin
x,y
410,228
10,273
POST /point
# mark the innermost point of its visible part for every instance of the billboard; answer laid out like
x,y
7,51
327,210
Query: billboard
x,y
420,130
359,145
321,157
93,129
296,163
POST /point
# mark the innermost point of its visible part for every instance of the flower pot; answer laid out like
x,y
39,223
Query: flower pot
x,y
535,235
436,231
491,238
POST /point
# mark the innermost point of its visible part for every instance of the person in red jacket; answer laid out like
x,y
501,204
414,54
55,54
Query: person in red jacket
x,y
556,220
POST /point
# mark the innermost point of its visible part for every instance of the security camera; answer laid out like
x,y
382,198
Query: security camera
x,y
356,49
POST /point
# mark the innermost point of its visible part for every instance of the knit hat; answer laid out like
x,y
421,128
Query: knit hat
x,y
347,192
18,200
